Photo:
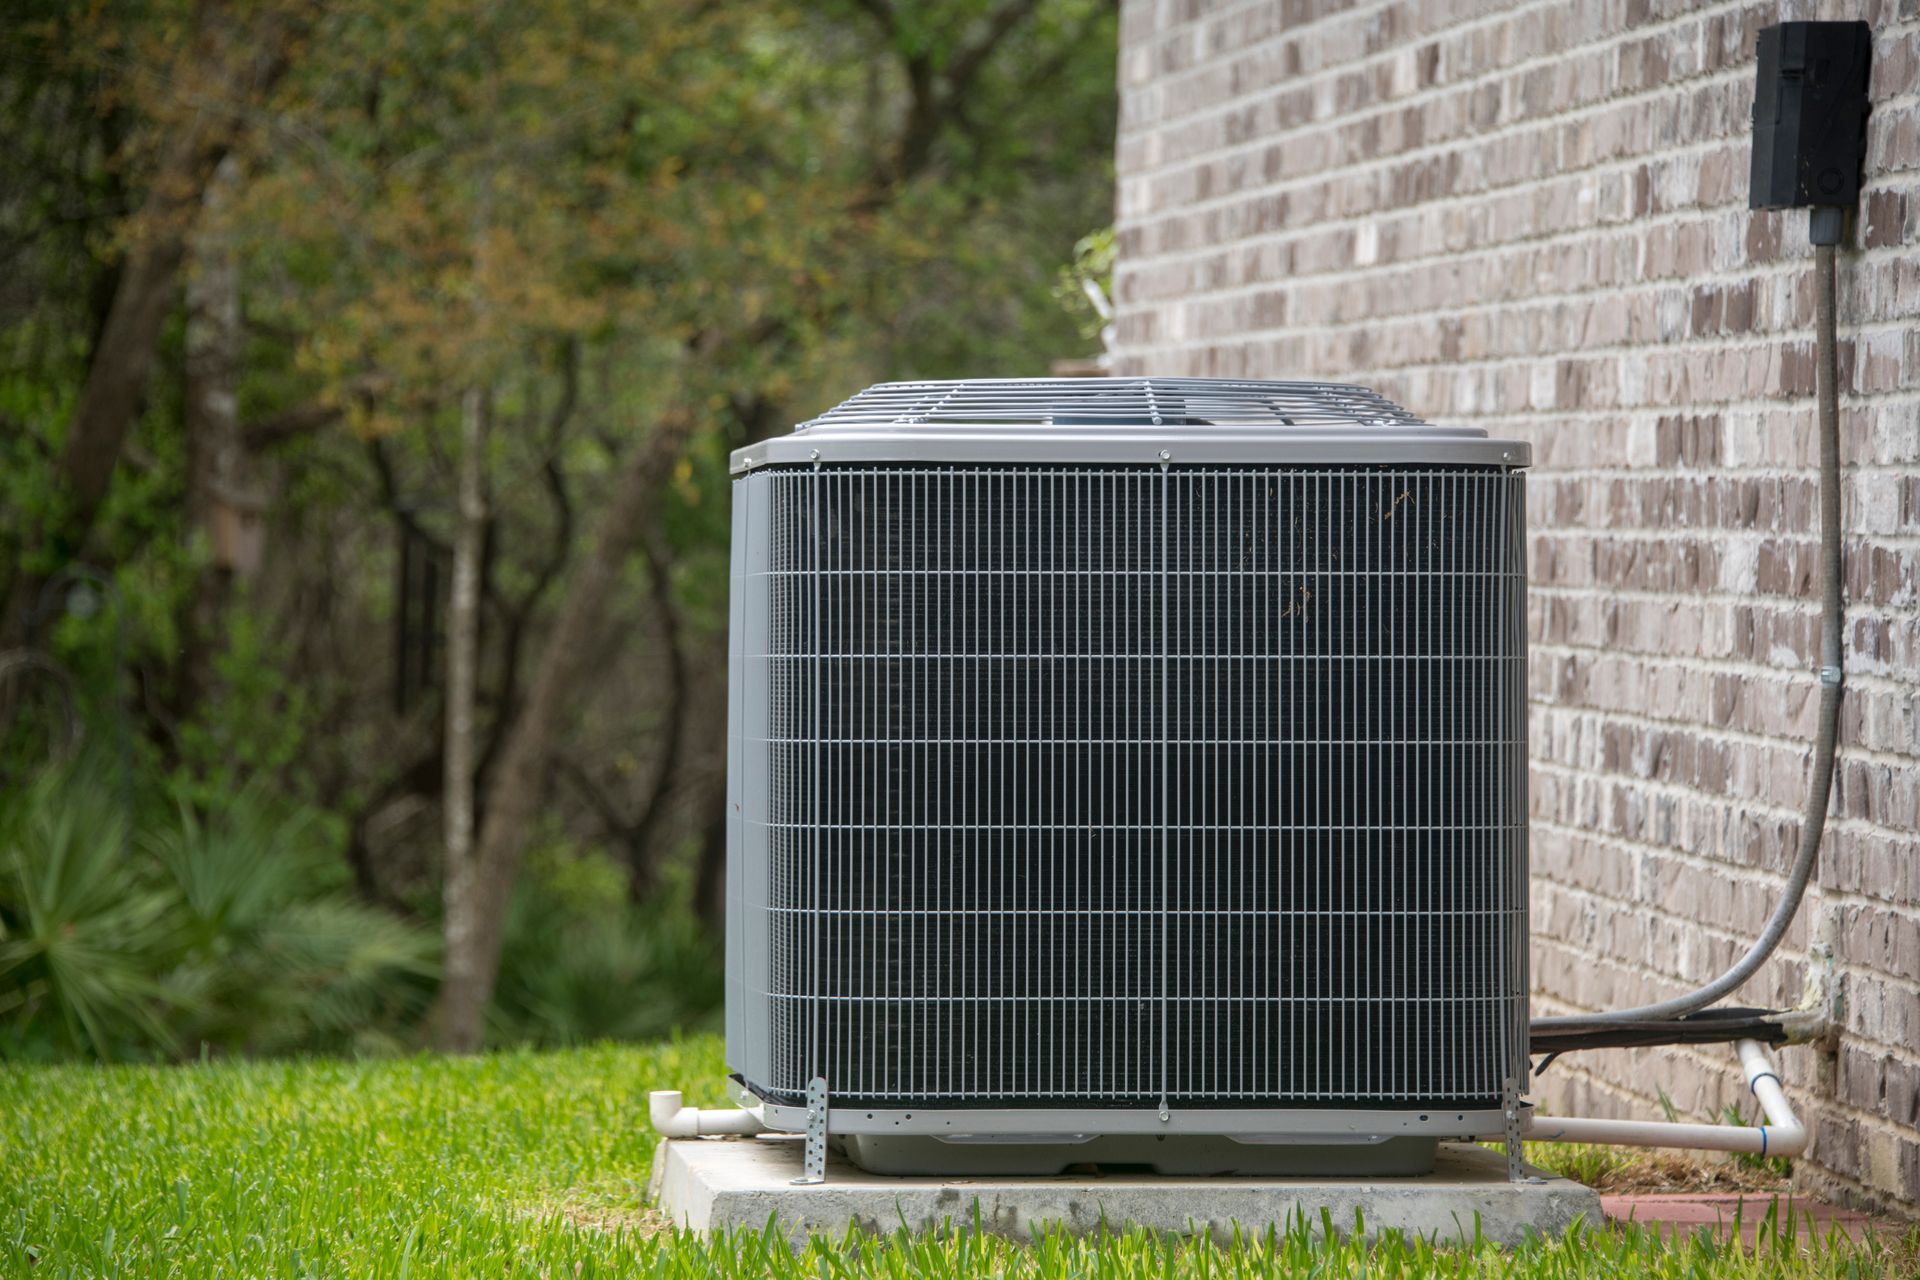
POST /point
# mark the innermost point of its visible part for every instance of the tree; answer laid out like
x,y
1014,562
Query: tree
x,y
515,279
532,190
220,74
940,79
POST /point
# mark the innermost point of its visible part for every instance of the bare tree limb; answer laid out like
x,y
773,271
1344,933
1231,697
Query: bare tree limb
x,y
277,428
424,777
517,616
612,822
643,872
383,470
472,961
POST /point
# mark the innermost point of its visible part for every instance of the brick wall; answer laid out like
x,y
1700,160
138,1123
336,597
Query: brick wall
x,y
1532,216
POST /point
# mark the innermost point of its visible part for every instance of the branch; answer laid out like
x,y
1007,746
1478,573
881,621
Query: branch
x,y
926,117
569,393
638,839
616,827
755,417
936,94
424,777
967,64
390,497
666,778
515,790
516,616
278,428
561,548
882,12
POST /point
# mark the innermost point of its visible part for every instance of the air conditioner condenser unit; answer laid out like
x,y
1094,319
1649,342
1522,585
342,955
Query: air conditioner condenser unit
x,y
1128,772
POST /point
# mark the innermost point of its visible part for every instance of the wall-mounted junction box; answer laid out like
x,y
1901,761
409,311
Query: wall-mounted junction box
x,y
1810,114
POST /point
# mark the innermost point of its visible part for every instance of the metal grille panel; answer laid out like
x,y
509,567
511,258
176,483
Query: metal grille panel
x,y
1121,785
1112,403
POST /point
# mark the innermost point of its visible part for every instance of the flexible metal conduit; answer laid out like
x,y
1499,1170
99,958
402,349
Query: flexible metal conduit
x,y
1820,783
1781,1135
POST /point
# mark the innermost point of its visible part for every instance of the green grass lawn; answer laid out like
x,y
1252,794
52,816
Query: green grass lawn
x,y
536,1164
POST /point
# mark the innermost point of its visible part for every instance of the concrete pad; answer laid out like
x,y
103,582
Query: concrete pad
x,y
714,1184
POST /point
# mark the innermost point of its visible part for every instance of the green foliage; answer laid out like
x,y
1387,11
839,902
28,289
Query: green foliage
x,y
256,727
231,930
1089,274
273,959
1619,1169
37,390
1586,1164
581,963
222,932
1777,1166
620,220
82,933
536,1164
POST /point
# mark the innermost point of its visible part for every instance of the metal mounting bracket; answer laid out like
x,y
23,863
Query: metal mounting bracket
x,y
816,1158
1516,1147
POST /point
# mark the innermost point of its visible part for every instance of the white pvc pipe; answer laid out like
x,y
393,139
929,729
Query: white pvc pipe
x,y
1781,1135
1788,1135
671,1120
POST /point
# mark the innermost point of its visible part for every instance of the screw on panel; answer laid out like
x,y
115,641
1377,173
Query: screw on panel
x,y
816,1154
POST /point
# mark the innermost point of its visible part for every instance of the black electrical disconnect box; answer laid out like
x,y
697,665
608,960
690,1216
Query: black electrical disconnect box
x,y
1810,114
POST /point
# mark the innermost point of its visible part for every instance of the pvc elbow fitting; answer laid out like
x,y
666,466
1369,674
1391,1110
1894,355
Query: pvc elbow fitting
x,y
672,1120
1783,1134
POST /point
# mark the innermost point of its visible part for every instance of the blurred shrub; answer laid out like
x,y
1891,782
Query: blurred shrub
x,y
581,962
83,933
277,958
261,723
226,926
222,931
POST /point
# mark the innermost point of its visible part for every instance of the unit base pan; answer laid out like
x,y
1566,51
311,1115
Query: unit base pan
x,y
1191,1155
1312,1127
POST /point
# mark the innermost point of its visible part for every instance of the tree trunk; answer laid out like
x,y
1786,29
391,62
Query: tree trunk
x,y
220,498
472,962
462,874
122,359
